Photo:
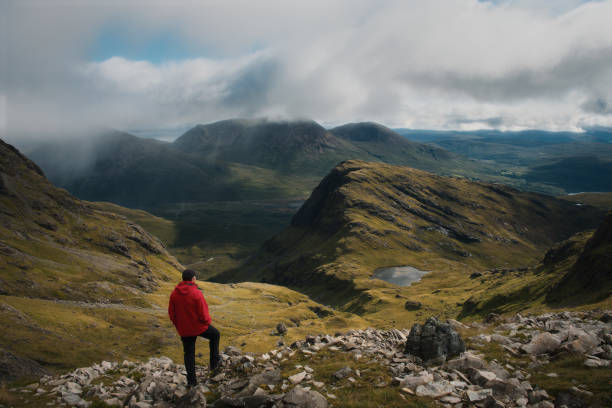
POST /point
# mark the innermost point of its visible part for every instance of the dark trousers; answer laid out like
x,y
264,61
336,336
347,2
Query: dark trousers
x,y
213,336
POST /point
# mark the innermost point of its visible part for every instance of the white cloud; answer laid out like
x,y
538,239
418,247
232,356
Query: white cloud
x,y
422,64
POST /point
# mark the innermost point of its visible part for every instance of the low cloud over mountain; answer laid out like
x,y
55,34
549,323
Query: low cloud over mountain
x,y
419,64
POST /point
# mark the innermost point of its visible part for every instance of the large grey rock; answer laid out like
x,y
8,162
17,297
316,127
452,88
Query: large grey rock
x,y
580,341
413,381
299,397
343,372
541,344
465,362
434,341
267,377
13,367
434,389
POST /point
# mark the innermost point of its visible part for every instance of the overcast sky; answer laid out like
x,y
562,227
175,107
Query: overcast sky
x,y
431,64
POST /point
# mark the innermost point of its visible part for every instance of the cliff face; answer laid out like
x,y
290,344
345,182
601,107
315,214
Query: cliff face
x,y
55,246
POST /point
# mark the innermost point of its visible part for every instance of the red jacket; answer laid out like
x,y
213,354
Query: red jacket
x,y
188,310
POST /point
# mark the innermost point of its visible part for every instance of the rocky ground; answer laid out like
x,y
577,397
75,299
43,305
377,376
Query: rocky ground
x,y
294,375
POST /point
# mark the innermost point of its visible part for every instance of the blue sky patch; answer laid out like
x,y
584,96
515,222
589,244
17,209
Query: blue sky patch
x,y
116,40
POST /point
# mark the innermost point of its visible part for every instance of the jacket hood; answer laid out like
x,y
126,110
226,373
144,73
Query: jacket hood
x,y
185,287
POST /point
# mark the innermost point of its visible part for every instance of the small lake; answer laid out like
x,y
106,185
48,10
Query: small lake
x,y
399,275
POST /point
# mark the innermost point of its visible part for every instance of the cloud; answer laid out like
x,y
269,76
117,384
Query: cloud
x,y
507,64
598,105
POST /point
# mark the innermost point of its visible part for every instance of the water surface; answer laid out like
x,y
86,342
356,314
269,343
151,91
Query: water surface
x,y
399,275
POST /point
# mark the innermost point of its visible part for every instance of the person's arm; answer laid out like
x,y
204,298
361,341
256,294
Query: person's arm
x,y
203,314
171,313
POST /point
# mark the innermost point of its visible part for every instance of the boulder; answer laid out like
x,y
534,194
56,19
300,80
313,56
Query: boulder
x,y
298,378
343,372
434,389
412,305
413,381
580,341
478,395
300,397
541,344
13,367
434,341
481,377
465,362
266,377
281,328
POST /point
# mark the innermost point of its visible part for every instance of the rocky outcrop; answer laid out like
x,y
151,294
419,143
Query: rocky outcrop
x,y
551,334
13,367
434,341
250,380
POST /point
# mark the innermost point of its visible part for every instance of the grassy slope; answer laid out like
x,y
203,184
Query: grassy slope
x,y
366,216
72,276
246,315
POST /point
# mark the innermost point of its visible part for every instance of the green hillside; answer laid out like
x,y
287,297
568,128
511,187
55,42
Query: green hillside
x,y
365,216
81,282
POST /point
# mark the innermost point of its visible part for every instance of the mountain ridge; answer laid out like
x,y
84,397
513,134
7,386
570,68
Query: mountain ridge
x,y
364,216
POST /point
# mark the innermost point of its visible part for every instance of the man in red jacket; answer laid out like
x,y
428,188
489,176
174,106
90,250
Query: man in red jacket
x,y
189,314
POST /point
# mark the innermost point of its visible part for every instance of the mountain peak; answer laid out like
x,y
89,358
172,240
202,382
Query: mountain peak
x,y
366,132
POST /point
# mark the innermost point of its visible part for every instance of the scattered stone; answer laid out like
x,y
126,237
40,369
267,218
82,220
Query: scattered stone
x,y
343,372
413,381
456,324
300,397
542,343
281,328
434,389
480,395
298,378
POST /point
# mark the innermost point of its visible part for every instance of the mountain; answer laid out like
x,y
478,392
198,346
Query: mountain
x,y
128,170
307,147
225,161
285,146
75,280
365,216
56,246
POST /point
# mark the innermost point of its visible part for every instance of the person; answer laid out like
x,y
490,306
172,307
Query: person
x,y
188,311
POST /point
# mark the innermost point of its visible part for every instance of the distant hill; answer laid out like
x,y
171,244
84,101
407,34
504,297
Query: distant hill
x,y
306,146
230,160
552,162
128,170
364,216
54,246
285,146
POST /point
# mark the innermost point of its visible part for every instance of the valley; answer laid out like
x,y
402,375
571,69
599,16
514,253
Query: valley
x,y
95,276
252,174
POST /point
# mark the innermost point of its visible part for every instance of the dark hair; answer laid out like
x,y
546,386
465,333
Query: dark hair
x,y
188,274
